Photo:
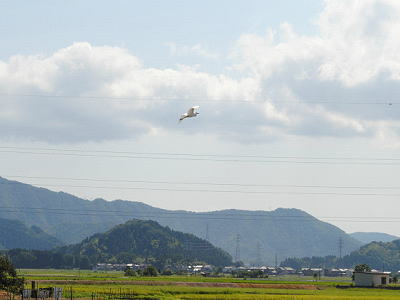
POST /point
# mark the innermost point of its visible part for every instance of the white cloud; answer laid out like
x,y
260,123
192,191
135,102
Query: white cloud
x,y
354,57
357,42
84,70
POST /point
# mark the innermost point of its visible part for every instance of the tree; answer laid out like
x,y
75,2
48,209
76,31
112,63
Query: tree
x,y
362,268
130,272
150,271
9,280
84,262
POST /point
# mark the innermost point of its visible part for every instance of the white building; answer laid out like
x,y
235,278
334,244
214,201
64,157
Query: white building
x,y
371,278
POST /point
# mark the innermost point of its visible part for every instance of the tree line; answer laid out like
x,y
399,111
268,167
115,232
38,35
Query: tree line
x,y
378,255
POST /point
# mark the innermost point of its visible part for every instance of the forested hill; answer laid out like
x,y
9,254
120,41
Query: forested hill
x,y
378,255
147,240
258,234
14,234
135,241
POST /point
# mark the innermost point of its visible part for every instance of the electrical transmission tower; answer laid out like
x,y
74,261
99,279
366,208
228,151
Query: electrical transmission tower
x,y
340,247
258,247
237,251
207,236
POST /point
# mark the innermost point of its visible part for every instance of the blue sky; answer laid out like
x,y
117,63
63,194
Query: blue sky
x,y
144,27
304,86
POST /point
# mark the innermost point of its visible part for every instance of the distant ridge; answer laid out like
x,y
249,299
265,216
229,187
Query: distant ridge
x,y
14,234
262,234
368,237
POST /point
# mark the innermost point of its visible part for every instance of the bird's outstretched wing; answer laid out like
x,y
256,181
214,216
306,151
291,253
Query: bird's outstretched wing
x,y
192,109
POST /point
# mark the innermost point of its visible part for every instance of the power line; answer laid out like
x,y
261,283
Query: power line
x,y
237,249
62,211
206,155
211,191
271,160
206,183
202,99
258,253
196,214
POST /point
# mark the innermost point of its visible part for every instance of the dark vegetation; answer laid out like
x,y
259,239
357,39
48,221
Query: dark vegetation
x,y
378,255
136,241
288,232
362,268
149,271
9,280
249,274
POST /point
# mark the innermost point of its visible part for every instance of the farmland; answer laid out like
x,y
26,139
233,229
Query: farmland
x,y
82,284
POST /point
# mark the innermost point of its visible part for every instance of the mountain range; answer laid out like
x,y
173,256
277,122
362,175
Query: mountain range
x,y
368,237
14,234
250,236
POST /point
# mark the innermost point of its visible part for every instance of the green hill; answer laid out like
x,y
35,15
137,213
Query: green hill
x,y
147,240
134,241
368,237
378,255
14,234
262,234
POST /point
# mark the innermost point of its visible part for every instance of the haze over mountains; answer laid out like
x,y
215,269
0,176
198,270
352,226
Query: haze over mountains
x,y
14,234
259,235
368,237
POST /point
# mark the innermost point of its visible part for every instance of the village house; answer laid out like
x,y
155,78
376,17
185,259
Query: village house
x,y
312,271
371,279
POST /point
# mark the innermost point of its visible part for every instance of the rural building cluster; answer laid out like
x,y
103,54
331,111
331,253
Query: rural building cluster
x,y
373,278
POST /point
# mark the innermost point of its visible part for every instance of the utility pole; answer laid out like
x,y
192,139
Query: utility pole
x,y
237,251
340,247
258,248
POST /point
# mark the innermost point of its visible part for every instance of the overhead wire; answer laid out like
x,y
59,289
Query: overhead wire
x,y
201,99
204,183
215,158
197,215
202,154
215,191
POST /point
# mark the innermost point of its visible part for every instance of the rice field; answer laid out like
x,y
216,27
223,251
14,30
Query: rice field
x,y
84,284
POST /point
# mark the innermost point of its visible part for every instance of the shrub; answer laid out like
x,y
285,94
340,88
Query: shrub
x,y
9,280
150,271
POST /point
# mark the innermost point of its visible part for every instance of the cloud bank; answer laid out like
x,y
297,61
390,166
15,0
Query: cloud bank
x,y
285,82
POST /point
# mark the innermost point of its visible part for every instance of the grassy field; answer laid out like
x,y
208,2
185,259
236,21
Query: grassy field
x,y
84,283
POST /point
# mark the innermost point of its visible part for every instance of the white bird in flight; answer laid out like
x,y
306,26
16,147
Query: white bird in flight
x,y
192,112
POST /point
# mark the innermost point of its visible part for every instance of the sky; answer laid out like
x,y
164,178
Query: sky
x,y
298,104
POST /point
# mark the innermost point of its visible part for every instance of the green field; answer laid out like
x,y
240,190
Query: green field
x,y
84,283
